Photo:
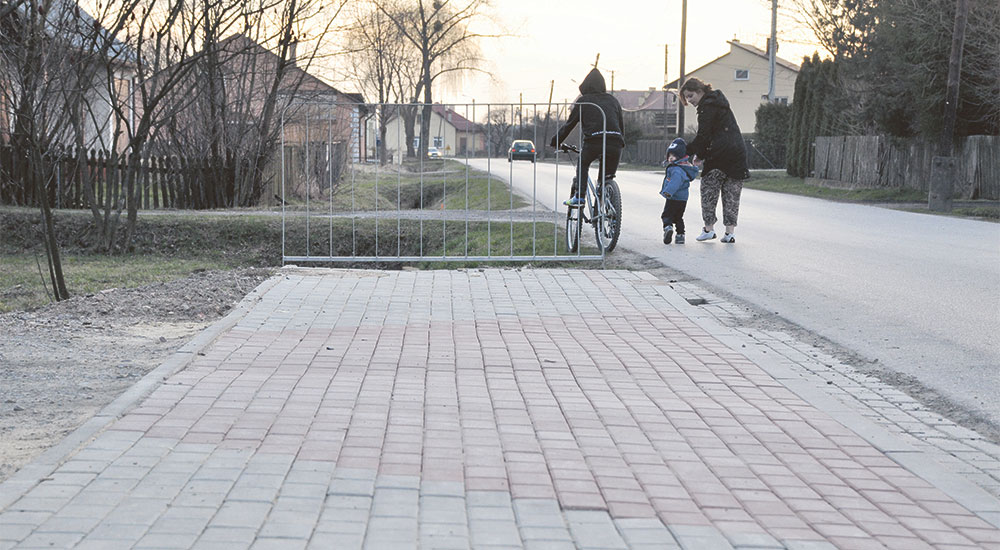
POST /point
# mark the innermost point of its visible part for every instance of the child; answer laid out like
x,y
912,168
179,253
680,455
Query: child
x,y
676,182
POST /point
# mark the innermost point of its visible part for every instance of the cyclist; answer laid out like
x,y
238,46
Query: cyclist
x,y
596,128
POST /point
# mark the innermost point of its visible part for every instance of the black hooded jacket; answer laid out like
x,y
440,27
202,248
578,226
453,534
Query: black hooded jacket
x,y
593,91
719,141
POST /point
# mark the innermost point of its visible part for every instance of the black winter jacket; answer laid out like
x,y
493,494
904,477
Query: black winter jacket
x,y
719,141
593,90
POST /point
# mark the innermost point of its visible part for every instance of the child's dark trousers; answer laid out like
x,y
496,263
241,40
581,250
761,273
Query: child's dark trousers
x,y
673,214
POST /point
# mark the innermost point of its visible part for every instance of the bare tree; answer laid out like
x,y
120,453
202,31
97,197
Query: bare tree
x,y
382,63
843,27
498,129
244,84
157,43
43,63
442,33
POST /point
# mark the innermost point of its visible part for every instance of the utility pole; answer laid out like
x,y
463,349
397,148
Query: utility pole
x,y
548,111
598,58
666,127
612,81
944,167
520,115
946,142
680,79
772,50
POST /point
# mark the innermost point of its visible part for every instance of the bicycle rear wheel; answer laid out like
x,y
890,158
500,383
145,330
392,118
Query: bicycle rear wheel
x,y
609,225
574,226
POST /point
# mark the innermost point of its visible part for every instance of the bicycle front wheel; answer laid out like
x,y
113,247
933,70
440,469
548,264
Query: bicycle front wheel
x,y
574,226
609,222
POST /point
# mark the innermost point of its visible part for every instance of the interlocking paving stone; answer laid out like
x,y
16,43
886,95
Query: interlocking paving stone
x,y
506,408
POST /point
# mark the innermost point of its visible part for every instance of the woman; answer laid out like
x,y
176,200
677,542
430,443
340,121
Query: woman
x,y
720,145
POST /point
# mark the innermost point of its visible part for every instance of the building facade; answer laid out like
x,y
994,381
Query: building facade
x,y
743,76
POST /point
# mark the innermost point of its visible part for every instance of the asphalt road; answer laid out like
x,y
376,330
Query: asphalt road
x,y
920,293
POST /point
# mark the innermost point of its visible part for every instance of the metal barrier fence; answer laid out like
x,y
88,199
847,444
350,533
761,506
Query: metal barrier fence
x,y
356,185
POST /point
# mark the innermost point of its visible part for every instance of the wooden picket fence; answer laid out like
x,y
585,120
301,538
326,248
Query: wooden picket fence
x,y
884,162
163,181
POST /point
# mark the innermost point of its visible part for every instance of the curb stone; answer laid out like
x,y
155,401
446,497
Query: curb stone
x,y
43,465
897,446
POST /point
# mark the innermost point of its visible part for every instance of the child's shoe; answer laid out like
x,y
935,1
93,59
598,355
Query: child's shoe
x,y
706,235
728,238
668,233
679,239
575,201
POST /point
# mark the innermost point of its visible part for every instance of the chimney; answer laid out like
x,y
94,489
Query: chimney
x,y
293,51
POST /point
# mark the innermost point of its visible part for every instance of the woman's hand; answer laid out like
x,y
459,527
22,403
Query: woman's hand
x,y
697,161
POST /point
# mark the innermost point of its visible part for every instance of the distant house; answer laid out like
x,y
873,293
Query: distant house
x,y
643,110
453,134
743,76
71,63
312,111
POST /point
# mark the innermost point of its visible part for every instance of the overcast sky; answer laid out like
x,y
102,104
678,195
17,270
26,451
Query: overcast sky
x,y
558,40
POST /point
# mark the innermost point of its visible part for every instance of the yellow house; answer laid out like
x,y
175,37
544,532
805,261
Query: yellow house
x,y
451,133
742,75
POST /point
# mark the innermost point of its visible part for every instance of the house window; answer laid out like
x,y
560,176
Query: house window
x,y
658,118
742,74
781,100
416,142
438,141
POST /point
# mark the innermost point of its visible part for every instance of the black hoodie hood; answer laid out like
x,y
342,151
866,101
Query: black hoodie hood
x,y
594,83
597,111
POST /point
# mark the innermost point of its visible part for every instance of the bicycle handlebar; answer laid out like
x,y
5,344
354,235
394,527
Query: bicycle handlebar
x,y
567,148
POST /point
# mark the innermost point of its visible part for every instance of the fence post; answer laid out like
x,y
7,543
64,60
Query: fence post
x,y
943,170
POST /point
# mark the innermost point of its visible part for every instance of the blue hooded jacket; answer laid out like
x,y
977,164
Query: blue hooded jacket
x,y
678,179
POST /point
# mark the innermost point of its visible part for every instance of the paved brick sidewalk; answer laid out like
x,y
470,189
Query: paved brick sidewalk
x,y
487,409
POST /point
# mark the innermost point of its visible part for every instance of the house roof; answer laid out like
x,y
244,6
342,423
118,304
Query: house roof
x,y
446,113
746,47
296,77
460,123
755,50
71,22
643,100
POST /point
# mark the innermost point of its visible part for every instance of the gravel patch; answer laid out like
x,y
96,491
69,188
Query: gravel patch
x,y
61,364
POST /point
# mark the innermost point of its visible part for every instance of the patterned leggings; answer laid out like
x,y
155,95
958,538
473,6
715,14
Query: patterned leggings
x,y
711,184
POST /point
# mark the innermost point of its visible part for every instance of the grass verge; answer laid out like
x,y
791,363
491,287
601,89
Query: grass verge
x,y
908,199
448,184
797,186
171,246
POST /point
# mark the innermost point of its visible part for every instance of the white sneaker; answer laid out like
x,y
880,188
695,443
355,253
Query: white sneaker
x,y
668,233
706,235
728,238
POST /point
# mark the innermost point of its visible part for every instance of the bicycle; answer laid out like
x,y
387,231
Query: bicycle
x,y
602,209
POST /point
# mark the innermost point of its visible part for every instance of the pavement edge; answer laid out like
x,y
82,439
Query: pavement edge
x,y
919,462
43,465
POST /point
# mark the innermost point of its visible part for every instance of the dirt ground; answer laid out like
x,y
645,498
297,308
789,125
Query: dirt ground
x,y
61,364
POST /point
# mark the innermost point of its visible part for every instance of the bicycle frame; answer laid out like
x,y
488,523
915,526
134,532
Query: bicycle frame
x,y
598,197
593,206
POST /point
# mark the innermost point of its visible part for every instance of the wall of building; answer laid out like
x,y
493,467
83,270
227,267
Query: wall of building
x,y
744,95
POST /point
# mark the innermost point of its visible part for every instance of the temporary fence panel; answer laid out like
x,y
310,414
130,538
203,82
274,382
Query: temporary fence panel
x,y
357,186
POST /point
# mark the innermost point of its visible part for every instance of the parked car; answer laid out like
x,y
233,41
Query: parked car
x,y
521,149
433,152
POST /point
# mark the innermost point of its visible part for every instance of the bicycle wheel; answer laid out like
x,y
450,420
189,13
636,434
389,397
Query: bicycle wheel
x,y
609,225
574,226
